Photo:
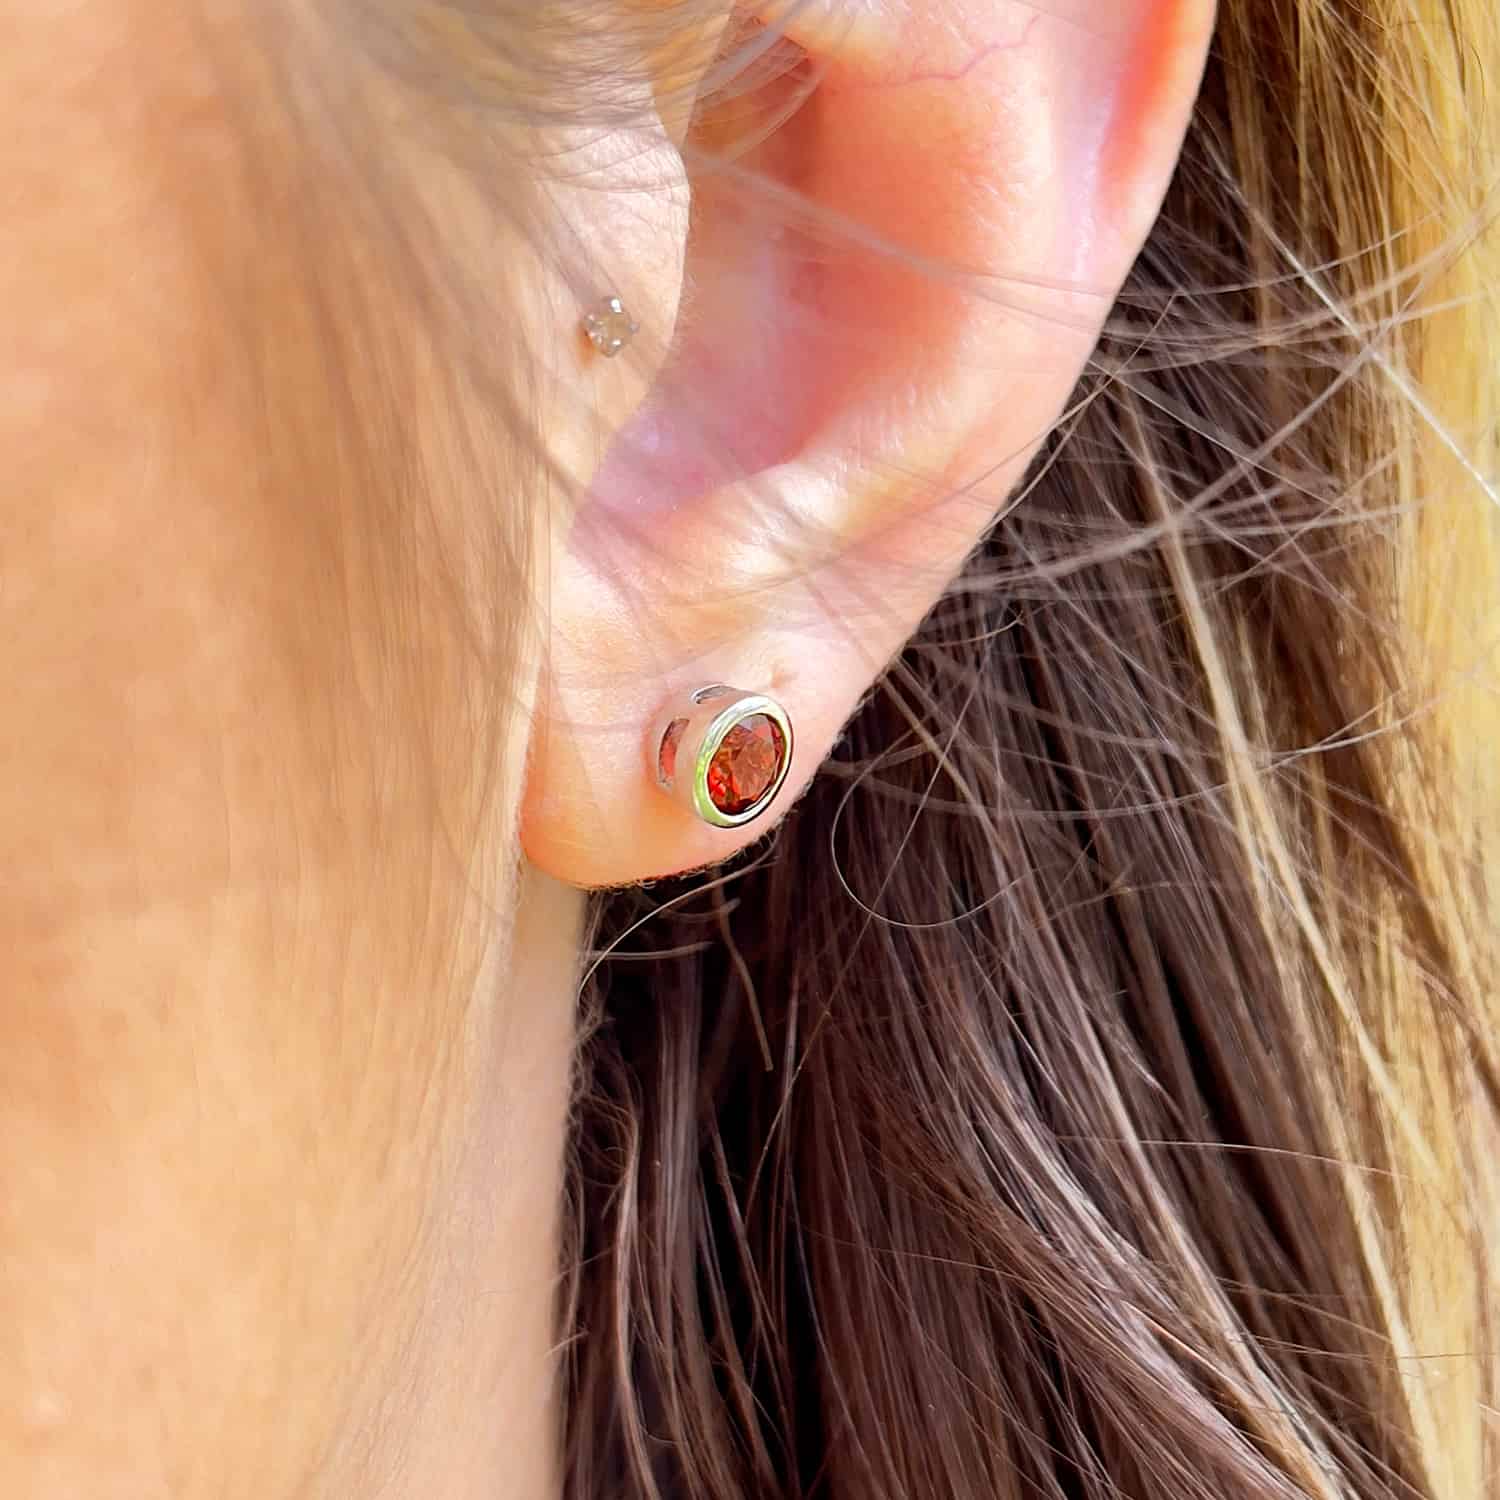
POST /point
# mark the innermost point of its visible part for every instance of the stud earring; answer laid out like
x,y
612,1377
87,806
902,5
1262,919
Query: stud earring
x,y
724,754
609,327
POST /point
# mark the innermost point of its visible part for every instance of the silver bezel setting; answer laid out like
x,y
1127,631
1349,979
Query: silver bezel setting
x,y
709,715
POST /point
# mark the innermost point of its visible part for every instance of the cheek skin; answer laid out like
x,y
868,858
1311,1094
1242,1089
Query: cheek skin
x,y
225,946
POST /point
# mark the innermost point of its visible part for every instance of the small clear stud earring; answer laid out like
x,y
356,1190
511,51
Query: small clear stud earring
x,y
723,754
609,327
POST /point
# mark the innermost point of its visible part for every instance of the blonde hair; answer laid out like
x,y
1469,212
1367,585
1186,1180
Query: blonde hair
x,y
1122,1121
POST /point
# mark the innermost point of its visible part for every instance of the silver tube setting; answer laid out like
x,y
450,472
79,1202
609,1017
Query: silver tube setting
x,y
724,754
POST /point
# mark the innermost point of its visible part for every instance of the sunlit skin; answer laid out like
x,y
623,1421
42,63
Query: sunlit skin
x,y
287,972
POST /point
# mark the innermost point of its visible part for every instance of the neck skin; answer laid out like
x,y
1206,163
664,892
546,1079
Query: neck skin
x,y
286,1035
473,1409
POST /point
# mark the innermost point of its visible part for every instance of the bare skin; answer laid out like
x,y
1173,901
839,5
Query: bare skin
x,y
267,1106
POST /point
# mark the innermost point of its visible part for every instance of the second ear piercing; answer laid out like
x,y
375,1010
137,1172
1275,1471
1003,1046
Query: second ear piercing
x,y
609,327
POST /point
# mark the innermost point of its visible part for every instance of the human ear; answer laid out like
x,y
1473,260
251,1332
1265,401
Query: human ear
x,y
887,303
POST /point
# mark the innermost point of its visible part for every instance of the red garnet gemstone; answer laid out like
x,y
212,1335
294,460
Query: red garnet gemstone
x,y
746,764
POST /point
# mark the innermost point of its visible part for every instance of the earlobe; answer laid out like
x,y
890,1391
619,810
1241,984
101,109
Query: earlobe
x,y
889,303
